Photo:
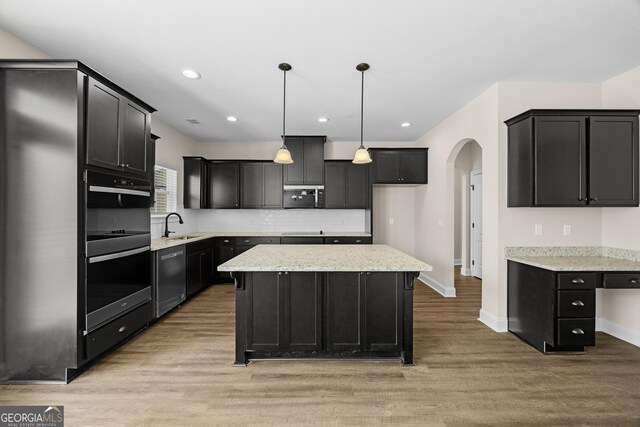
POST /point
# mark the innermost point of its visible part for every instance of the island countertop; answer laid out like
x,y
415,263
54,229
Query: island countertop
x,y
580,258
323,258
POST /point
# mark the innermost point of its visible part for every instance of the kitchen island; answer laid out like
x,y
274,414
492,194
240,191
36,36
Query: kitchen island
x,y
324,301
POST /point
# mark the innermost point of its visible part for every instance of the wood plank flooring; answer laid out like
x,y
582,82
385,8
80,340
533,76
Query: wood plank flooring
x,y
179,372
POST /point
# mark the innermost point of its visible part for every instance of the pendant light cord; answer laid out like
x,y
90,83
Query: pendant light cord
x,y
362,112
284,110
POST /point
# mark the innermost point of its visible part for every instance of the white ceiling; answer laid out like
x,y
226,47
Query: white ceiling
x,y
427,57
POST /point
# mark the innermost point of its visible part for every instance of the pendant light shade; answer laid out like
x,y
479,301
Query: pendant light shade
x,y
362,156
283,155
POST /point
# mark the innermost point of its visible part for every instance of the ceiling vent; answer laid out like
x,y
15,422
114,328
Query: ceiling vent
x,y
193,121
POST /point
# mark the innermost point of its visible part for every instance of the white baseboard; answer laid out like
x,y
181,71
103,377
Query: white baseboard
x,y
616,330
466,272
445,291
457,261
498,324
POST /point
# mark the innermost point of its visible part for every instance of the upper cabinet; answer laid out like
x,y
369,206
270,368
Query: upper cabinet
x,y
118,129
347,185
307,153
261,185
210,184
565,158
399,165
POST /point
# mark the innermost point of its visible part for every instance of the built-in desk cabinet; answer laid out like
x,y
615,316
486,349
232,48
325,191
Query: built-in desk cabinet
x,y
569,158
555,311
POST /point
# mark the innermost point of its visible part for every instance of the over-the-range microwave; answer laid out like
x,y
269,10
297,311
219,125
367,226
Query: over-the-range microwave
x,y
303,196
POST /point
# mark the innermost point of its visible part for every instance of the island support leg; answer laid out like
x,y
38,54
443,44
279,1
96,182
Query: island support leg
x,y
407,337
241,320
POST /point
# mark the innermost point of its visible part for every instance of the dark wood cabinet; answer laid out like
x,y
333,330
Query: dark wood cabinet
x,y
350,240
283,311
225,250
151,164
118,130
347,185
307,153
194,194
364,311
565,158
223,185
199,266
210,184
399,165
261,185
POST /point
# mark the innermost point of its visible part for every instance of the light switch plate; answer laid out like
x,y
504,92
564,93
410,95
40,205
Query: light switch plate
x,y
566,230
537,230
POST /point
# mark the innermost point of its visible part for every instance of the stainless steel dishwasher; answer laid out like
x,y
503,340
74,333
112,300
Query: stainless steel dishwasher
x,y
169,279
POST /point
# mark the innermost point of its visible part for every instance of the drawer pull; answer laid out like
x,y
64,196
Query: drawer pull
x,y
122,329
358,241
578,281
633,281
578,331
247,241
578,303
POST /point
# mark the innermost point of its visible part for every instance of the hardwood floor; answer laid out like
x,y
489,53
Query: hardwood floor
x,y
179,372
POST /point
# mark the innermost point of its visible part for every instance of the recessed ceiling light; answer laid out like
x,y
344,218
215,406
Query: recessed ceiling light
x,y
190,74
323,119
405,124
232,118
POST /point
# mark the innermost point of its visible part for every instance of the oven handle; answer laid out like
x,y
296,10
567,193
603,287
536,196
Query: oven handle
x,y
109,257
97,189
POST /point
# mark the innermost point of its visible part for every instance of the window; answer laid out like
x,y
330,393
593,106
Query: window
x,y
166,190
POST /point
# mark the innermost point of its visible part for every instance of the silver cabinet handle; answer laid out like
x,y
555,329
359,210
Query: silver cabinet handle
x,y
358,241
247,241
578,331
110,257
122,329
578,281
633,281
279,273
578,303
286,273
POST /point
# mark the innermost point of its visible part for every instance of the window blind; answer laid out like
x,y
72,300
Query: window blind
x,y
166,190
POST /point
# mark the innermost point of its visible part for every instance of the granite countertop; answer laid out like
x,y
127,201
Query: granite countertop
x,y
174,240
324,258
582,258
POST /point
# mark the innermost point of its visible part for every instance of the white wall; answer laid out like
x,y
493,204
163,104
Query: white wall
x,y
12,47
621,226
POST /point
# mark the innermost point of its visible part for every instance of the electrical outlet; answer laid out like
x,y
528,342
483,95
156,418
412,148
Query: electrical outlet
x,y
566,230
537,230
391,221
440,223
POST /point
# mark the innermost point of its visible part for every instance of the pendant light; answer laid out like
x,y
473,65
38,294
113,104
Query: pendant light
x,y
362,156
284,156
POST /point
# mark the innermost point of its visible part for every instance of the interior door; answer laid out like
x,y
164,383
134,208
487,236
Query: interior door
x,y
476,224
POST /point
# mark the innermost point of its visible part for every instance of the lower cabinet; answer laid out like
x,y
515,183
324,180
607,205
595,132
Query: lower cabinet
x,y
199,266
284,311
115,332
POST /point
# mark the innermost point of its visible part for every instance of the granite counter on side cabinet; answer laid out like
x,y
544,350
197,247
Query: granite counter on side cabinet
x,y
552,292
324,301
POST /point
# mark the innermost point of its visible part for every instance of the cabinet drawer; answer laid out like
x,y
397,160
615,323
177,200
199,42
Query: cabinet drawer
x,y
576,281
621,280
302,240
347,240
576,332
117,331
199,246
576,303
257,240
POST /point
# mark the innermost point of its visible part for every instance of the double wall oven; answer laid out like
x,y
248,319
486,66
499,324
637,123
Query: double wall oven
x,y
118,239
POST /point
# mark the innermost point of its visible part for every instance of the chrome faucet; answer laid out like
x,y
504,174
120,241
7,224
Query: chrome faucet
x,y
166,223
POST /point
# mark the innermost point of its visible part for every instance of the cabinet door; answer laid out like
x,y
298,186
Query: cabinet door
x,y
335,185
613,161
560,161
314,161
383,312
252,185
194,274
151,164
385,167
294,172
135,134
103,125
194,194
412,166
344,311
224,252
264,303
358,187
223,185
272,185
206,267
303,317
